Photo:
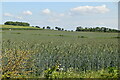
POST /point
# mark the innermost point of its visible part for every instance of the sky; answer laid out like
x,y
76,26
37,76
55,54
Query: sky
x,y
60,0
67,15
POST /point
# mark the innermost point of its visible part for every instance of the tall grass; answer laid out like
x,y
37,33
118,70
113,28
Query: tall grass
x,y
39,54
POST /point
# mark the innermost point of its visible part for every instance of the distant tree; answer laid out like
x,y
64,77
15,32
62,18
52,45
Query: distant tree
x,y
105,29
86,29
97,29
37,26
48,27
79,29
16,23
62,29
58,28
43,27
8,23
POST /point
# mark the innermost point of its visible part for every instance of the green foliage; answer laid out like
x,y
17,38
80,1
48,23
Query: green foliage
x,y
49,72
97,29
71,73
7,75
112,72
48,27
16,23
59,29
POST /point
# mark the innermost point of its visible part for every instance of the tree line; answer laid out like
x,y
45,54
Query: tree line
x,y
16,23
86,29
48,27
96,29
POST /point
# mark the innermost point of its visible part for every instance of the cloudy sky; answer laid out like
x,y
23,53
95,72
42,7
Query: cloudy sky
x,y
68,15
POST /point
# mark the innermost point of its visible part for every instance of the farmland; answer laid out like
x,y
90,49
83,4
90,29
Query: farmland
x,y
7,27
78,54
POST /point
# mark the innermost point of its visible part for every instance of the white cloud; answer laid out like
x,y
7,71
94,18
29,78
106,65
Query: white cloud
x,y
19,17
12,16
46,11
27,12
90,9
8,14
55,17
62,14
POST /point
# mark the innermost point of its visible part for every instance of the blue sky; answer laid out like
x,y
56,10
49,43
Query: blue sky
x,y
60,0
68,15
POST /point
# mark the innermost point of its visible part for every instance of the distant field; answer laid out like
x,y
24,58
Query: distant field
x,y
6,27
33,34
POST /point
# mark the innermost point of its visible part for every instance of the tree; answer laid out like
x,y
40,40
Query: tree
x,y
58,28
48,27
16,23
97,29
43,27
79,29
62,29
37,26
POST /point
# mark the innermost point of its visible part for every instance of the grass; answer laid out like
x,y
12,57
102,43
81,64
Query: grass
x,y
103,73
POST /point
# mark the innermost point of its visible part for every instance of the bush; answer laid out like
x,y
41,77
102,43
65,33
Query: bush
x,y
82,37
